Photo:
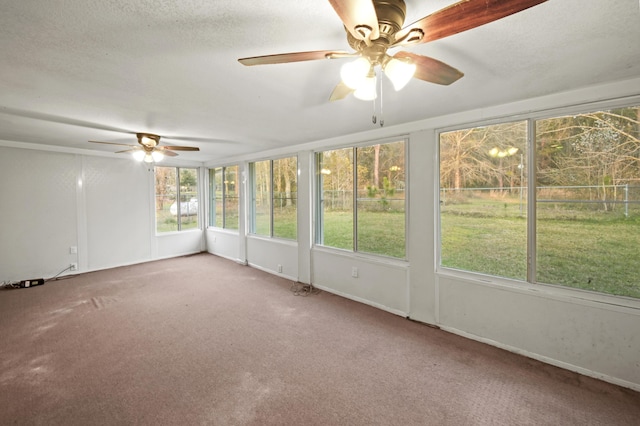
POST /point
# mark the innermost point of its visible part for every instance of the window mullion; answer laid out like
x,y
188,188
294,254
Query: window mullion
x,y
271,190
531,200
223,170
354,153
178,199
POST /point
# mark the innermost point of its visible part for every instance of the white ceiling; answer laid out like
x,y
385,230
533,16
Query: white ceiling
x,y
79,70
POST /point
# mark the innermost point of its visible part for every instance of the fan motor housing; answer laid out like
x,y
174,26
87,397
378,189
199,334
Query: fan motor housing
x,y
391,15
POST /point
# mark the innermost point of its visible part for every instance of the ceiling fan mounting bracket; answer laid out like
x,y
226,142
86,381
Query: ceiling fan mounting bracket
x,y
148,140
391,15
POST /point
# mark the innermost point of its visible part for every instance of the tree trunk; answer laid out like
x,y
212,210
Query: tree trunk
x,y
376,166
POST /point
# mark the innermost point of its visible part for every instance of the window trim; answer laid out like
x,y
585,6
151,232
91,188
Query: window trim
x,y
251,210
178,202
212,208
318,200
530,285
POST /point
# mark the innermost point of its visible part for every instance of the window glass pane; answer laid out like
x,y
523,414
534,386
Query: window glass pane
x,y
381,199
230,187
166,193
285,193
188,199
216,200
588,201
262,198
335,174
483,224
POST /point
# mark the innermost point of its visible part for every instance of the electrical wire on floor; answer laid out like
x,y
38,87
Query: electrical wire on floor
x,y
56,277
300,289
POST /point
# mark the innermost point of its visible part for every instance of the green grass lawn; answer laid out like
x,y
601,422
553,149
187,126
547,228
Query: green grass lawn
x,y
166,222
379,232
585,249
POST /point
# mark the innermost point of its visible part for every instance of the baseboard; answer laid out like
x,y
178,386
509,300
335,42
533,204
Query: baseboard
x,y
364,301
272,272
547,360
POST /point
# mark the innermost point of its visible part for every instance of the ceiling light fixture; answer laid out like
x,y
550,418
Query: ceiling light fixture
x,y
400,71
354,73
366,91
359,75
139,155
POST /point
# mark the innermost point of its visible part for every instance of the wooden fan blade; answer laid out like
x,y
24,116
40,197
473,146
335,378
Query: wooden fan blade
x,y
463,16
129,150
169,153
359,18
114,143
178,148
432,70
282,58
341,91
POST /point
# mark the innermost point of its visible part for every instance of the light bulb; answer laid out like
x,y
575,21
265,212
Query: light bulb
x,y
354,73
367,90
148,158
399,72
157,156
138,155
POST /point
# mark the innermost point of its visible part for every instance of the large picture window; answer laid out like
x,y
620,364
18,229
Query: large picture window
x,y
582,231
176,198
223,192
274,198
361,205
483,199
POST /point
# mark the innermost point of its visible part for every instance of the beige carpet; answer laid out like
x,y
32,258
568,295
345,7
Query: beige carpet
x,y
201,340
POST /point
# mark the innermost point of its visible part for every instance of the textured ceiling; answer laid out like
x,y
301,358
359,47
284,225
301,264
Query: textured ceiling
x,y
79,70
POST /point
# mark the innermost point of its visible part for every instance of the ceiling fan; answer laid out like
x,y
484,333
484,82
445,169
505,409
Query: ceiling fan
x,y
149,150
374,26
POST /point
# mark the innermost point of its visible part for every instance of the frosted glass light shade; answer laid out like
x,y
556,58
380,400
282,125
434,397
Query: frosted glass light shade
x,y
367,90
157,156
399,72
354,73
138,155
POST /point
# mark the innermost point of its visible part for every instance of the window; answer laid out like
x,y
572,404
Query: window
x,y
176,198
274,198
361,194
483,199
223,193
582,226
588,201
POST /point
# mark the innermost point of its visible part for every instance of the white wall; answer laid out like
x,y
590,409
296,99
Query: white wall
x,y
44,210
37,213
592,334
51,201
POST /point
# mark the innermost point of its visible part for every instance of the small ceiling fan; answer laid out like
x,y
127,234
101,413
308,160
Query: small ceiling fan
x,y
374,26
149,150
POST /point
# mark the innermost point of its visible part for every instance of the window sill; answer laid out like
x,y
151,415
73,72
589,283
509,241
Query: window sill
x,y
548,291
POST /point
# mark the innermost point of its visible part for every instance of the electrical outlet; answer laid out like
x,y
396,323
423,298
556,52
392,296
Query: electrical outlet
x,y
354,272
73,266
73,250
279,268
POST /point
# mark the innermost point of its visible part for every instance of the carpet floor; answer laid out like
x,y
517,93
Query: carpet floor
x,y
201,340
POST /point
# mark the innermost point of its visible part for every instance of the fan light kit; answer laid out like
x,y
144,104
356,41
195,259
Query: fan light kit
x,y
149,149
375,26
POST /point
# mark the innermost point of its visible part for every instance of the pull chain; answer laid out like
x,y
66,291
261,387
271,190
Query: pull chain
x,y
381,99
